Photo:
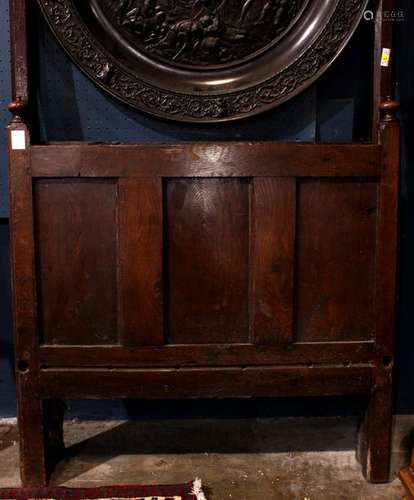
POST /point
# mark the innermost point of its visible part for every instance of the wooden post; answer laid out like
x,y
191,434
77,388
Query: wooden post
x,y
40,422
375,445
383,74
26,344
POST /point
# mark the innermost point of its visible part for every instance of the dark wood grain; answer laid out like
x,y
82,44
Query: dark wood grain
x,y
273,260
337,227
387,241
382,76
140,261
211,383
18,47
375,434
269,159
376,449
76,232
210,355
33,450
25,327
208,253
212,247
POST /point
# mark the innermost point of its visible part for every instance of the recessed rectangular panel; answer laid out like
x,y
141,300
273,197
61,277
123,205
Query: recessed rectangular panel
x,y
76,238
337,227
207,254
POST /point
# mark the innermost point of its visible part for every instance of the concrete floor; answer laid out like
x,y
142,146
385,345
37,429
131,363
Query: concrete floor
x,y
288,459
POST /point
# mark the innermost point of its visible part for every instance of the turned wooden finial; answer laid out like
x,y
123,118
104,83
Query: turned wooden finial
x,y
18,108
389,108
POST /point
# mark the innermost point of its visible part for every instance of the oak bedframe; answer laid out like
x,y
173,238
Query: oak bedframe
x,y
202,270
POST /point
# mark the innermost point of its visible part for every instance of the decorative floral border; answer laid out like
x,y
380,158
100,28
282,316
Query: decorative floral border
x,y
101,67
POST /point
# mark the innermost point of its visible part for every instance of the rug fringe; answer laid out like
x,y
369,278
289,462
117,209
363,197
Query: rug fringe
x,y
198,490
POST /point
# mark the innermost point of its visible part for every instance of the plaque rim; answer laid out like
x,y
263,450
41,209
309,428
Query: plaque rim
x,y
99,65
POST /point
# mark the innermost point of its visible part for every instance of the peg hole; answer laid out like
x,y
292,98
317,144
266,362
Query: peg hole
x,y
23,366
387,361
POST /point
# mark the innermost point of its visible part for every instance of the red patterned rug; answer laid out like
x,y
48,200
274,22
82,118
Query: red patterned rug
x,y
190,491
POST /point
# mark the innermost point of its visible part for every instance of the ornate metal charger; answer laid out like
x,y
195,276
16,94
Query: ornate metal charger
x,y
203,60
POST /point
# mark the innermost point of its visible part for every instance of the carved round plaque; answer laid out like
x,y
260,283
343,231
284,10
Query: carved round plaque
x,y
203,60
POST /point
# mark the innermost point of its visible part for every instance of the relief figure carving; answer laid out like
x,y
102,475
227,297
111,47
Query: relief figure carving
x,y
202,32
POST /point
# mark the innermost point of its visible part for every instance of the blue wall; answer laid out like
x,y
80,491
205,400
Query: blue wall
x,y
70,107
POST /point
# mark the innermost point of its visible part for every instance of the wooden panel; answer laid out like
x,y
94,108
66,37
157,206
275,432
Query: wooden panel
x,y
211,383
272,261
387,246
25,317
346,353
336,260
377,442
207,261
18,49
383,85
268,159
140,261
76,260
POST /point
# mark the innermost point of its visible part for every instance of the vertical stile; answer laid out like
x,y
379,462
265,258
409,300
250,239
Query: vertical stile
x,y
140,261
273,260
